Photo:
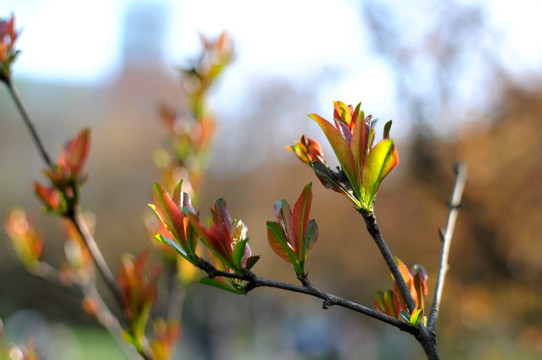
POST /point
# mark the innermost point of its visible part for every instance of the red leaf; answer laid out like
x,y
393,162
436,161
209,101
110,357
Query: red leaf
x,y
342,150
75,153
169,213
283,213
300,216
278,243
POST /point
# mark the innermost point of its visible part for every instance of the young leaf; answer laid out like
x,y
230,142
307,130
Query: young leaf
x,y
311,238
278,242
239,253
342,150
168,212
387,129
172,244
416,316
421,290
391,304
359,139
405,316
251,261
300,219
221,285
380,161
379,302
284,216
326,177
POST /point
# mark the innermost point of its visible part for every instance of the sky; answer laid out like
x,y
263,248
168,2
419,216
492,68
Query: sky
x,y
79,42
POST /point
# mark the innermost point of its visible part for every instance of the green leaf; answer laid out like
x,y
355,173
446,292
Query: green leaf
x,y
171,243
379,302
342,151
251,261
416,316
380,161
310,239
239,253
387,129
219,284
405,316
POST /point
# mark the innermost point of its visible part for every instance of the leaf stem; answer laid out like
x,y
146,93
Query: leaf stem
x,y
446,237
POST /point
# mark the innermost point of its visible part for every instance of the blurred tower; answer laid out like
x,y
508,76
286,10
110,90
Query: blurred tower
x,y
145,28
144,75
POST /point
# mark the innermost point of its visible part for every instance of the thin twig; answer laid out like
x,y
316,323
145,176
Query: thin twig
x,y
375,232
307,289
28,122
74,215
104,315
108,320
87,287
99,260
446,237
330,300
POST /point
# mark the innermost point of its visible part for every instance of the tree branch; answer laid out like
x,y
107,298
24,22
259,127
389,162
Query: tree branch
x,y
254,281
446,237
374,230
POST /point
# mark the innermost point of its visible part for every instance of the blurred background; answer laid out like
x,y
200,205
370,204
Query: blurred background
x,y
461,80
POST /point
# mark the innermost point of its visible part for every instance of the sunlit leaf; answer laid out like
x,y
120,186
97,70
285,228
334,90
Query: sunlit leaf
x,y
380,161
416,316
172,244
359,138
168,212
341,148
